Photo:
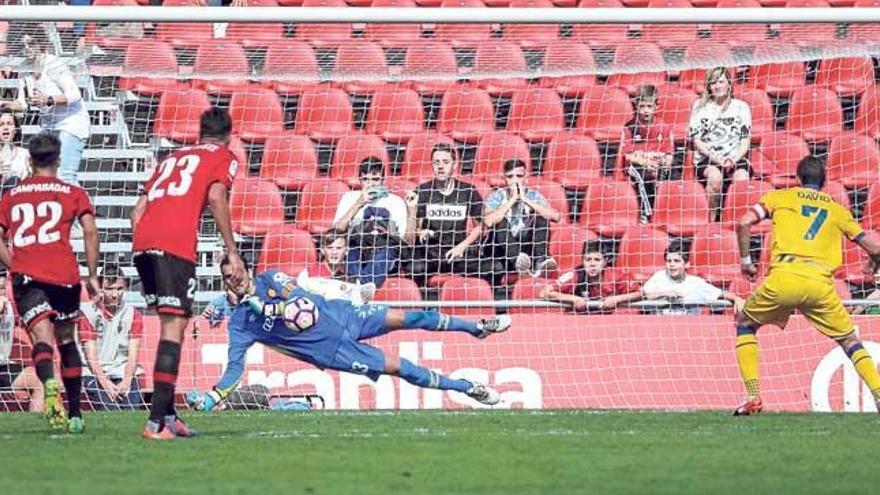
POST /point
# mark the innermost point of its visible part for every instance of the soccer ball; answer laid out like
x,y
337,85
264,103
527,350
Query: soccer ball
x,y
300,314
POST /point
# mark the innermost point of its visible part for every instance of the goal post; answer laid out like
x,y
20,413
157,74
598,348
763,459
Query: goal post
x,y
601,109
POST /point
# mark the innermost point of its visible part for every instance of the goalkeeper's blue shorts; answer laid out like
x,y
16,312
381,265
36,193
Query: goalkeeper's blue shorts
x,y
357,357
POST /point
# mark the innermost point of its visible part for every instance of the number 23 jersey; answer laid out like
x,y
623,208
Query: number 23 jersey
x,y
37,215
176,195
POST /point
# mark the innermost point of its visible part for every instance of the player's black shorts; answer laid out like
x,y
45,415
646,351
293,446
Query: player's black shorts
x,y
169,282
8,373
37,301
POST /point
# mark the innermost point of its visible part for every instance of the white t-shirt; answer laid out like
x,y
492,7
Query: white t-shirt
x,y
692,289
55,79
14,162
722,131
393,203
7,332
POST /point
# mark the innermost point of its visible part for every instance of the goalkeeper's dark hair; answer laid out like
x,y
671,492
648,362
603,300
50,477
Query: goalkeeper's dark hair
x,y
371,165
445,148
226,261
678,247
515,163
811,172
44,149
215,124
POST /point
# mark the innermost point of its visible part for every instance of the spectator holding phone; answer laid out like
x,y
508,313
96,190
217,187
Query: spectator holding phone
x,y
375,220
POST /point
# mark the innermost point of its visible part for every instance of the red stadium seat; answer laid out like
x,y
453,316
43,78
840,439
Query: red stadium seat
x,y
463,35
610,208
567,245
467,289
837,191
853,159
741,196
255,206
252,36
573,160
554,194
670,35
807,34
466,114
868,114
865,33
289,160
256,114
871,215
855,259
645,58
427,61
393,34
600,35
780,78
400,186
221,68
150,68
763,118
531,35
715,255
291,67
324,114
641,252
177,117
674,106
396,114
567,56
185,34
361,59
846,76
784,151
398,289
681,207
604,112
739,34
495,149
287,249
535,114
500,57
323,35
417,158
815,114
700,56
529,289
317,205
237,149
350,150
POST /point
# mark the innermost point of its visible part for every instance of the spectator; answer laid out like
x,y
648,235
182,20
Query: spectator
x,y
375,220
720,127
334,250
519,218
52,90
14,160
647,150
873,295
110,336
593,281
14,375
675,285
447,219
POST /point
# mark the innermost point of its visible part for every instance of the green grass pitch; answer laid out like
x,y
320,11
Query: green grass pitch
x,y
487,452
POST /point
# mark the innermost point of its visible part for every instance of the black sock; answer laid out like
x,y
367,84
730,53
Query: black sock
x,y
71,374
43,354
164,379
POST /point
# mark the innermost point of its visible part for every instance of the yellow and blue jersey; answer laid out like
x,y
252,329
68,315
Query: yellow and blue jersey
x,y
808,230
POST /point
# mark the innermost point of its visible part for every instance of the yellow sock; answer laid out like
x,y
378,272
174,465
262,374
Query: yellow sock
x,y
865,367
747,358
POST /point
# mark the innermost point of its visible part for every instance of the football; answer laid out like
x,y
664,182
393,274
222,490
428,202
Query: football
x,y
300,314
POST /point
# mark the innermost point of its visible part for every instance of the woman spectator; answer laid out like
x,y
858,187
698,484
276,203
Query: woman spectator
x,y
720,128
14,165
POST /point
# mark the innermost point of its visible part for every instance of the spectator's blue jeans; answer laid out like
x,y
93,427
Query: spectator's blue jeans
x,y
71,153
374,269
101,401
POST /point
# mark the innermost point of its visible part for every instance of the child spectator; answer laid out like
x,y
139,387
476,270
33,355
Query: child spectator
x,y
519,218
334,251
593,281
14,375
647,150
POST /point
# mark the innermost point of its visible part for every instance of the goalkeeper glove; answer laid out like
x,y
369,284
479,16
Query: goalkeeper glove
x,y
271,310
203,401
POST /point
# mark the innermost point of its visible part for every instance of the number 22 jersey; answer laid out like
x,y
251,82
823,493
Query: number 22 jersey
x,y
37,215
176,195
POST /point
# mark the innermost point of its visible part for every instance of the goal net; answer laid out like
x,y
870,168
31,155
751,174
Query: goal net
x,y
571,145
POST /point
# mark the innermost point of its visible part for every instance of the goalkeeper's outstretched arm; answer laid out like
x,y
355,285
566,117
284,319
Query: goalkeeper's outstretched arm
x,y
239,343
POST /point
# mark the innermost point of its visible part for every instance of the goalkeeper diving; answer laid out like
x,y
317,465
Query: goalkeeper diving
x,y
317,322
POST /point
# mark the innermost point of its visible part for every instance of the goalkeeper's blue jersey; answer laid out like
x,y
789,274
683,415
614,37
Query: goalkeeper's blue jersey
x,y
316,345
